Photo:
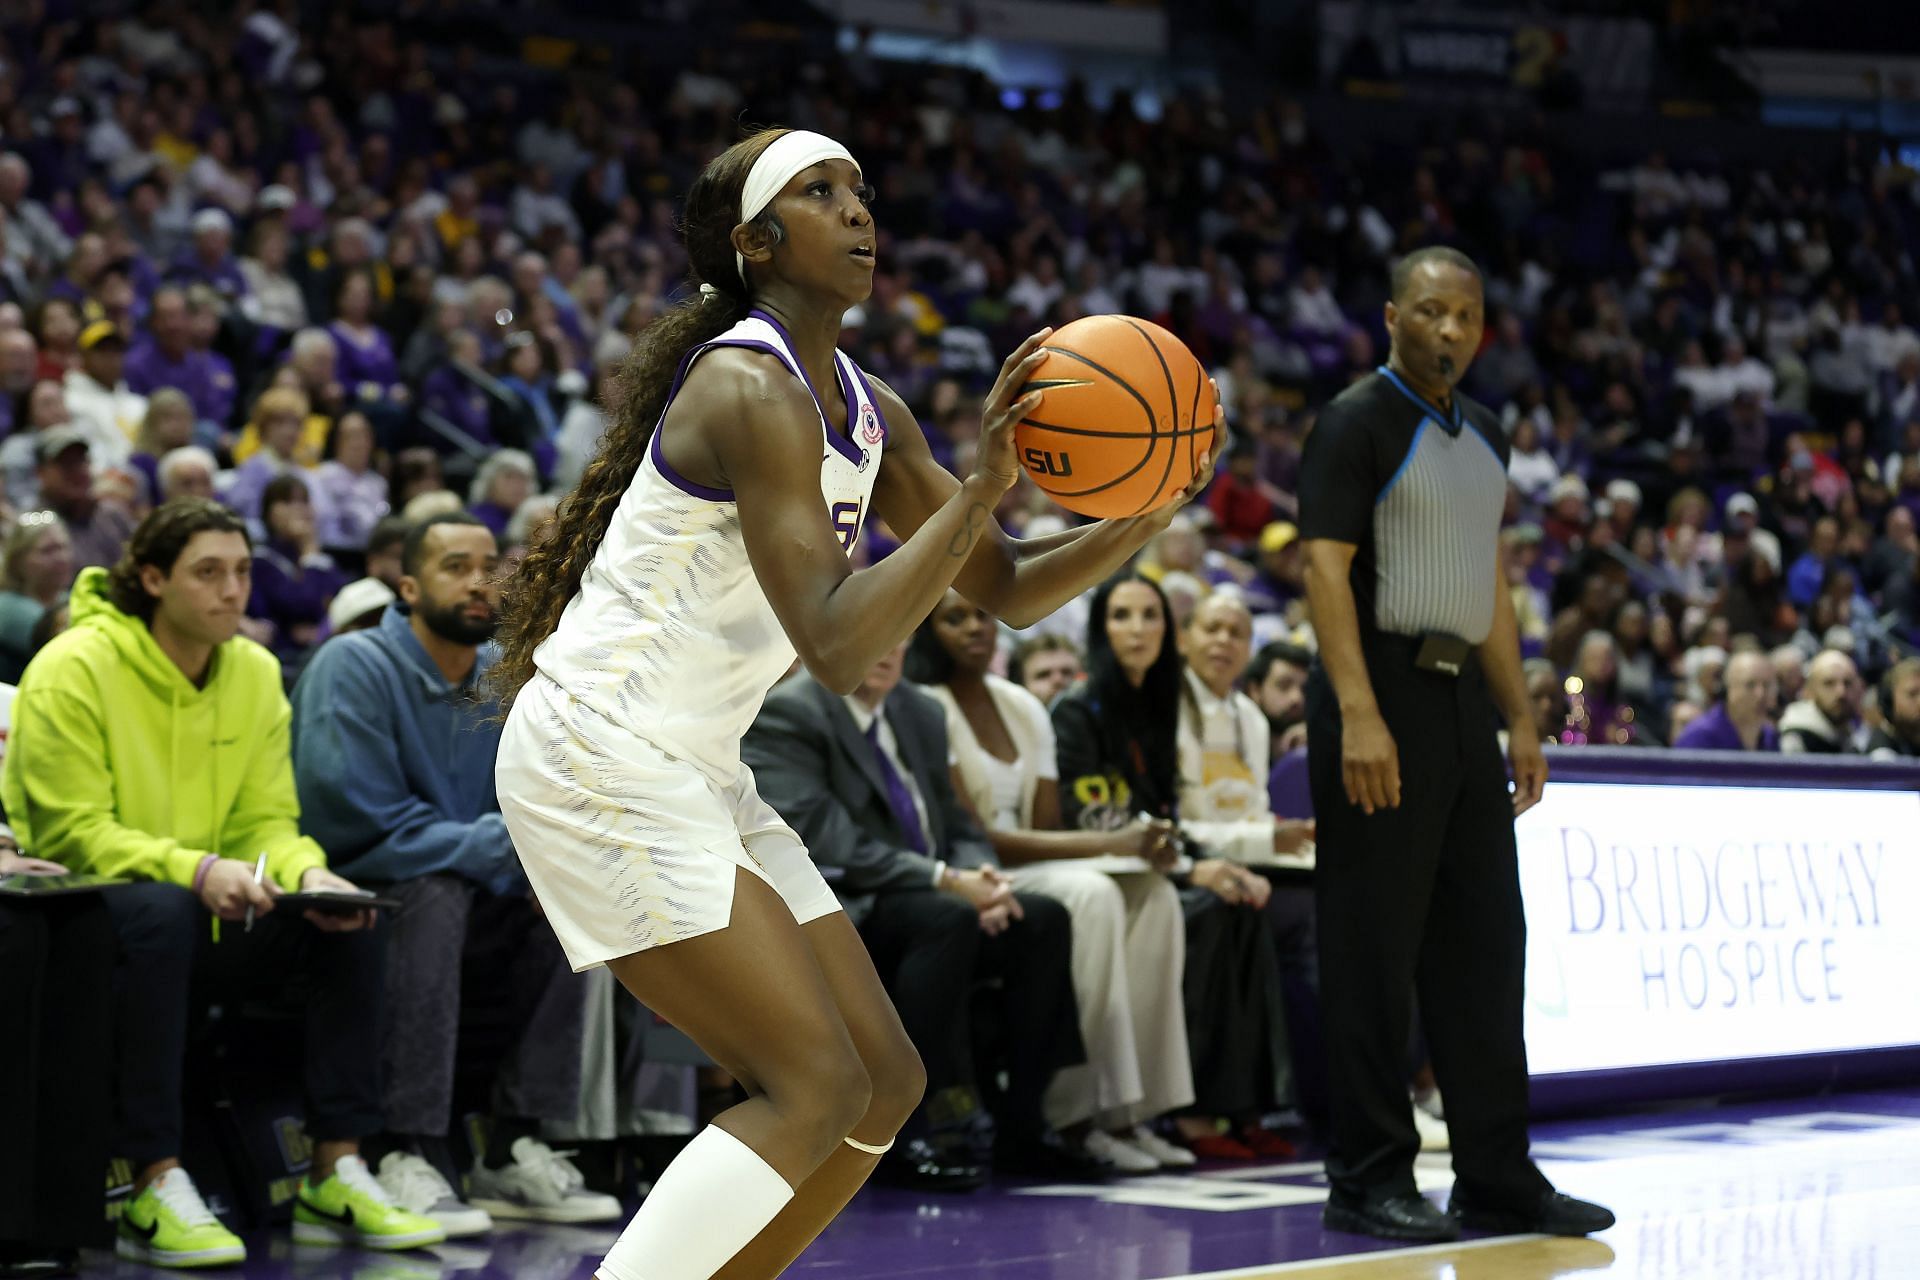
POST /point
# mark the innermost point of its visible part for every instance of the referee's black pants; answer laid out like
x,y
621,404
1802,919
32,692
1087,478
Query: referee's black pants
x,y
1425,895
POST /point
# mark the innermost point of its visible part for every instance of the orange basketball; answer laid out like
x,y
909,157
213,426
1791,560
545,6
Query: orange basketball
x,y
1127,414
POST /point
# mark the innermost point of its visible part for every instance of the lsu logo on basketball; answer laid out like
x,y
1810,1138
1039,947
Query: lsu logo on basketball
x,y
870,425
1043,462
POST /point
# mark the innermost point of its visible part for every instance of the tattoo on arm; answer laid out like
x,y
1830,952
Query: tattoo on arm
x,y
962,541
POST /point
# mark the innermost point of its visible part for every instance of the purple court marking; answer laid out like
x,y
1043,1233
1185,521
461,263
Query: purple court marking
x,y
1159,1229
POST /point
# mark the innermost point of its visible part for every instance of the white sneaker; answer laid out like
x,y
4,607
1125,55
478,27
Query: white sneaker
x,y
539,1185
1120,1153
418,1187
1168,1154
1433,1133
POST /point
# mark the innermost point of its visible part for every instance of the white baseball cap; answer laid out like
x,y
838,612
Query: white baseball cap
x,y
356,598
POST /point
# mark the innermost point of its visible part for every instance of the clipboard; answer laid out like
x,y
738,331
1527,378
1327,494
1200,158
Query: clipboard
x,y
24,886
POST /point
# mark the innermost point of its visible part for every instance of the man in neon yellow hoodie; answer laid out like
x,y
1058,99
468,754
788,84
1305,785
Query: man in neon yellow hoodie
x,y
150,743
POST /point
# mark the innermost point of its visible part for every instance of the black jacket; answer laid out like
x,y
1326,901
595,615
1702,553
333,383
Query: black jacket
x,y
1107,774
816,768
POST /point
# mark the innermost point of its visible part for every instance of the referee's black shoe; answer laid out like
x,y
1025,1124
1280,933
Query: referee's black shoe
x,y
1406,1216
1552,1214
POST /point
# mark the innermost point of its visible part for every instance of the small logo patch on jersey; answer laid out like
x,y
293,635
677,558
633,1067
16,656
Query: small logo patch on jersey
x,y
869,425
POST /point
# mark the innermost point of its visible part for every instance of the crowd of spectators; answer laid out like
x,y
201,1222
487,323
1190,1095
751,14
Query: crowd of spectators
x,y
365,289
238,251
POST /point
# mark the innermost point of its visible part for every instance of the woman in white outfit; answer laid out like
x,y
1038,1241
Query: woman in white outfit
x,y
704,548
1129,939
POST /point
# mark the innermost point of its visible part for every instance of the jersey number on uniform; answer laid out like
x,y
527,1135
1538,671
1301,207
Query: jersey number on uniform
x,y
846,523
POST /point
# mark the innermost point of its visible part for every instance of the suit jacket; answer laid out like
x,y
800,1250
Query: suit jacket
x,y
816,768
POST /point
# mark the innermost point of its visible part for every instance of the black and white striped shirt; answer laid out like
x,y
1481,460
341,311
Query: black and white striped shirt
x,y
1420,493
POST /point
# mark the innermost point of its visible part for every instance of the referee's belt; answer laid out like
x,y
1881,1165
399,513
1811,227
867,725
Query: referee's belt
x,y
1437,651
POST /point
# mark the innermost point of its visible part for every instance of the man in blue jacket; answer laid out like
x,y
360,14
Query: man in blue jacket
x,y
394,738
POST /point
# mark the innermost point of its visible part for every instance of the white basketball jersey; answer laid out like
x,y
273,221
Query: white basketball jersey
x,y
670,634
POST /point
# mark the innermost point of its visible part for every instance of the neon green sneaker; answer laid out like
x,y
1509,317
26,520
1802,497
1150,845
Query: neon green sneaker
x,y
352,1208
169,1225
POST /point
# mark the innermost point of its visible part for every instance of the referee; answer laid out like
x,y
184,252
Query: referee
x,y
1418,887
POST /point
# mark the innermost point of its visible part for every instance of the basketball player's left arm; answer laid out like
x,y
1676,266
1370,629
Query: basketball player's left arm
x,y
1019,581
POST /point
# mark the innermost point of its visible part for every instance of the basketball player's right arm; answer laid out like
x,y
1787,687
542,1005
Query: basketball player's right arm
x,y
769,449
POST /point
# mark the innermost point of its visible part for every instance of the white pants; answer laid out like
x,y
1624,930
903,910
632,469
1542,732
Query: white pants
x,y
1129,958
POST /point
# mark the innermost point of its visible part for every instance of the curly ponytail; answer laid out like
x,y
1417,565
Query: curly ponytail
x,y
560,552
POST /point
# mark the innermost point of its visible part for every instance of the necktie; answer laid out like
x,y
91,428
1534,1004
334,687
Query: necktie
x,y
899,799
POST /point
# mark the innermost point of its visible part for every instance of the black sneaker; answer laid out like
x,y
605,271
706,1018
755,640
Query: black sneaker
x,y
1409,1216
1553,1214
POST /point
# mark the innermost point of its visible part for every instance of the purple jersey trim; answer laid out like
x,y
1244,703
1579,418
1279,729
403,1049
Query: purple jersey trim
x,y
660,462
845,447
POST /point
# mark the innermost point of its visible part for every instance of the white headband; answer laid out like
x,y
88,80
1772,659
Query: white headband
x,y
789,154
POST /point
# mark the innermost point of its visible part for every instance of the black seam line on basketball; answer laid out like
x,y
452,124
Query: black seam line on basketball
x,y
1112,435
1049,384
1173,406
1193,416
1153,427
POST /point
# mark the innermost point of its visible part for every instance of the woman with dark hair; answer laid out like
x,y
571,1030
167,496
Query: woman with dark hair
x,y
704,549
365,366
293,579
1128,937
350,488
1640,680
415,471
1756,602
36,569
527,369
1118,736
1599,716
168,425
58,326
39,408
1841,608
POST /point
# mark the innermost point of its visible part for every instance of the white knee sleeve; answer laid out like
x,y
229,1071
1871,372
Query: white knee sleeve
x,y
717,1195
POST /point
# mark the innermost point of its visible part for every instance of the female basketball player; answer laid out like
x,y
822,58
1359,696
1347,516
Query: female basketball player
x,y
704,547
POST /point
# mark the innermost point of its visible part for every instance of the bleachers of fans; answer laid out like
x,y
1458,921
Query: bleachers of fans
x,y
424,266
345,290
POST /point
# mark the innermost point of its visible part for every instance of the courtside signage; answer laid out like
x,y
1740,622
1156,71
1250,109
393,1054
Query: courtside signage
x,y
1685,924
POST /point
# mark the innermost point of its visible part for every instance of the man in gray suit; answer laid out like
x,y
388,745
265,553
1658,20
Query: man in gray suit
x,y
864,780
